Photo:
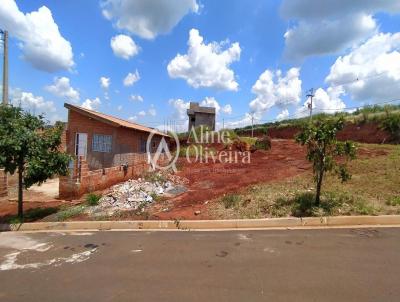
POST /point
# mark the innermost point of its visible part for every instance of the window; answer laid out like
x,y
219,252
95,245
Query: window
x,y
101,143
142,145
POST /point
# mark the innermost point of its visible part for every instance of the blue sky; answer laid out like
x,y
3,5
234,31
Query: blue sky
x,y
265,56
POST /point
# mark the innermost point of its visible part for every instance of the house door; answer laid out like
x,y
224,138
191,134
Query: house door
x,y
81,144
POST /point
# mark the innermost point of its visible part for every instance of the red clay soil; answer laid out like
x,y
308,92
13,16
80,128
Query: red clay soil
x,y
209,181
32,200
369,133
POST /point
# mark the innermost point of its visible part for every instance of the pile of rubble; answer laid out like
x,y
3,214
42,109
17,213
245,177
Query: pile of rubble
x,y
134,194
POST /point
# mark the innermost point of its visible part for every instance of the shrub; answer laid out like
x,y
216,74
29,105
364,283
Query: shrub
x,y
391,123
92,199
231,200
394,201
323,149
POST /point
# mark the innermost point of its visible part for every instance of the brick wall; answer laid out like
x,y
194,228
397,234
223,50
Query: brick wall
x,y
124,141
81,180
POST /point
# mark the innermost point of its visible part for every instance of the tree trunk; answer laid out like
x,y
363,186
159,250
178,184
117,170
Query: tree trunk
x,y
20,193
319,185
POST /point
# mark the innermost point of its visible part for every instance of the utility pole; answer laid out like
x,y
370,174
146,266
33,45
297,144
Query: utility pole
x,y
5,66
310,95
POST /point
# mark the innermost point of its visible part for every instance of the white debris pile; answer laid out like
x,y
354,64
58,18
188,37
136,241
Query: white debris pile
x,y
136,193
133,194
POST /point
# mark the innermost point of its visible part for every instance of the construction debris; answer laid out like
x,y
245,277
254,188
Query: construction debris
x,y
135,194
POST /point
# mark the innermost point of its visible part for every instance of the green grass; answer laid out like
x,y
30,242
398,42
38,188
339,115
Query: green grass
x,y
394,201
32,215
248,140
92,199
231,200
70,212
372,190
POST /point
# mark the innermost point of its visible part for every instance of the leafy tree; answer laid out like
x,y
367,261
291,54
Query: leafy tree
x,y
31,148
323,150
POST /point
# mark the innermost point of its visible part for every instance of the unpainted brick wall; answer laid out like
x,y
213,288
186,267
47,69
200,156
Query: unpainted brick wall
x,y
81,180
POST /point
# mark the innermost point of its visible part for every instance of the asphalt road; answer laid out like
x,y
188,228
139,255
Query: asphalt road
x,y
287,265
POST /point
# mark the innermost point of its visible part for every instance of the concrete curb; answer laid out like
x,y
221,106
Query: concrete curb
x,y
278,223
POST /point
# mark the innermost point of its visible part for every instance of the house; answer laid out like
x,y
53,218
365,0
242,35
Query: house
x,y
201,116
106,150
103,140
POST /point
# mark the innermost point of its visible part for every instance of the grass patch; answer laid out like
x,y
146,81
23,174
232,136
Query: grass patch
x,y
32,215
394,201
70,212
248,140
92,199
373,190
231,200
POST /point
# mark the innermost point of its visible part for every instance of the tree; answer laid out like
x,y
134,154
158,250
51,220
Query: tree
x,y
324,150
30,148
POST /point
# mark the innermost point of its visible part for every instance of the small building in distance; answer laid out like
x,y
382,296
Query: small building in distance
x,y
201,116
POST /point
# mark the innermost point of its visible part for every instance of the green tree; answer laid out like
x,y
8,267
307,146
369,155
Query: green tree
x,y
324,150
30,148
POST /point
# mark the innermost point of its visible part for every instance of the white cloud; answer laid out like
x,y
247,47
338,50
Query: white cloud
x,y
284,114
124,47
34,104
136,98
31,103
212,102
330,26
62,88
142,113
133,118
272,88
152,111
91,104
105,82
179,106
370,72
243,122
131,78
42,44
324,102
327,37
119,108
206,65
149,18
227,109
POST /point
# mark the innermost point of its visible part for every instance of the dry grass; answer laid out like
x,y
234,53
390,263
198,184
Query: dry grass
x,y
374,189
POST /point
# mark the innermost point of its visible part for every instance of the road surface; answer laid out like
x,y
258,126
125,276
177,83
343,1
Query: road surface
x,y
277,265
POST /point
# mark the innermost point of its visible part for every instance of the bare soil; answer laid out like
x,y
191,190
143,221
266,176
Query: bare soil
x,y
207,181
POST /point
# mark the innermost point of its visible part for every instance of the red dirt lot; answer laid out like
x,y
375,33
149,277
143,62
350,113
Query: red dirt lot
x,y
209,181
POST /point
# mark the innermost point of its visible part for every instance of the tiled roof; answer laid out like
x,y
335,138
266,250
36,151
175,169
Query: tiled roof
x,y
111,119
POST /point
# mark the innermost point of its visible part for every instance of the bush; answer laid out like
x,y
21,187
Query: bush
x,y
332,203
391,123
92,199
231,200
394,201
